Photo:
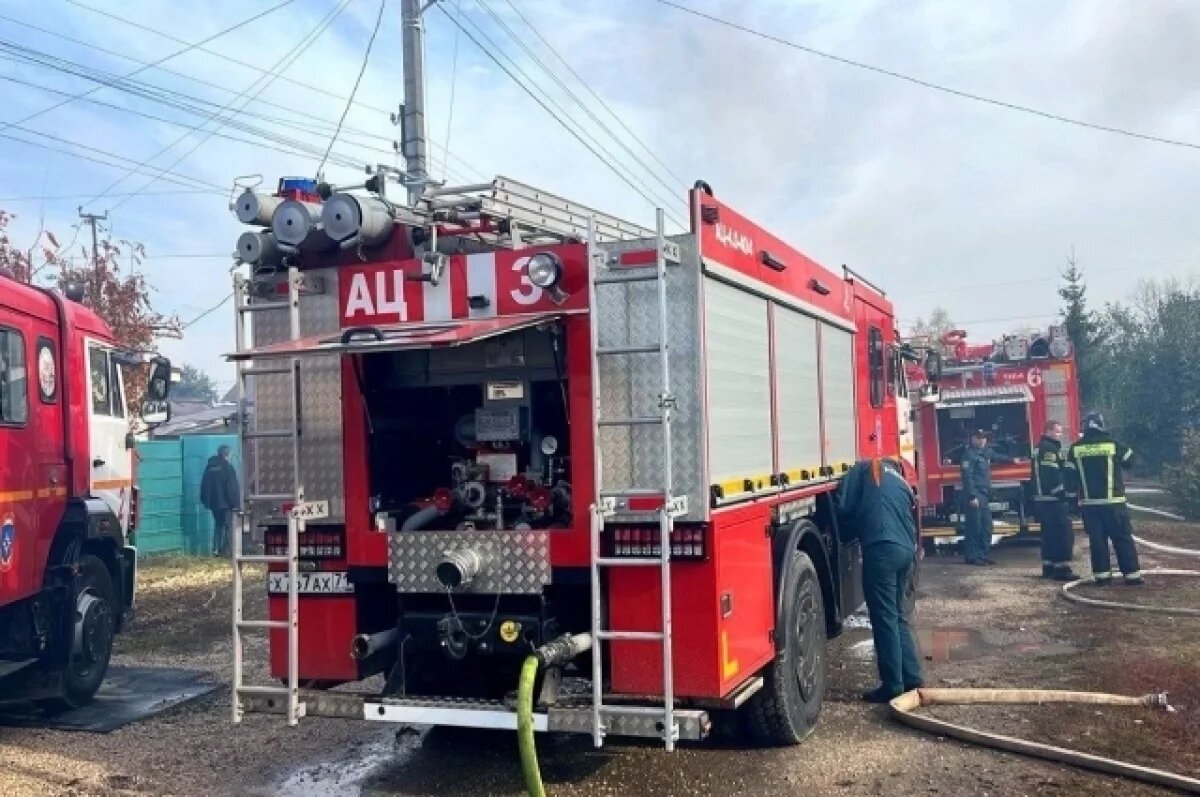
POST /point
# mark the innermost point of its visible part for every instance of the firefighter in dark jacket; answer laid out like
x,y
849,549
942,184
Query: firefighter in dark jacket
x,y
1050,505
876,503
1093,470
976,495
220,494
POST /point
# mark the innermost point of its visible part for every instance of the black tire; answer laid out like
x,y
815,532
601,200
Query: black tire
x,y
88,663
785,710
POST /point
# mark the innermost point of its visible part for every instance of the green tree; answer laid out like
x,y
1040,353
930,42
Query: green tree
x,y
933,328
194,385
1182,480
1083,328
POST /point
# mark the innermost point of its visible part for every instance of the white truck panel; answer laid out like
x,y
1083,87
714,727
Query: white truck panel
x,y
837,395
737,362
798,390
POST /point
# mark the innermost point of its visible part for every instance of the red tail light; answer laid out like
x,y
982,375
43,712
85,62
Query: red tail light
x,y
688,543
313,544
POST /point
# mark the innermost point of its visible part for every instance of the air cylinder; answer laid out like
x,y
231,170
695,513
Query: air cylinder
x,y
256,209
293,221
346,216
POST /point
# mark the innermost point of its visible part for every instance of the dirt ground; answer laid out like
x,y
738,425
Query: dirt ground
x,y
989,627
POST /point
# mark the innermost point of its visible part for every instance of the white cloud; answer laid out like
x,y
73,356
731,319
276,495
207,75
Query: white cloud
x,y
922,190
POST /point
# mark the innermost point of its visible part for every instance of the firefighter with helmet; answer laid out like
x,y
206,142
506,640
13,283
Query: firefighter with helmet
x,y
1093,468
1050,505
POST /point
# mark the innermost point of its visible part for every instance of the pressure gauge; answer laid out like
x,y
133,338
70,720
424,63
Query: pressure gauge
x,y
549,445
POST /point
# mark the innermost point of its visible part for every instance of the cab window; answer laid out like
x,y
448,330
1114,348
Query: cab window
x,y
14,383
876,357
101,372
116,388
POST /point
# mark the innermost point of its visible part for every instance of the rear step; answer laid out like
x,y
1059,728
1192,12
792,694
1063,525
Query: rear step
x,y
640,721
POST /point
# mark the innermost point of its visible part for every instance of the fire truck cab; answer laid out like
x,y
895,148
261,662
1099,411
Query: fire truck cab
x,y
68,505
497,422
1008,388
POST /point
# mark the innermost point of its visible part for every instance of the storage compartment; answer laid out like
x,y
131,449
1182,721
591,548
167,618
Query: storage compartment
x,y
478,432
1007,426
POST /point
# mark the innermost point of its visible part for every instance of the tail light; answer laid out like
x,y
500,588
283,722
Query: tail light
x,y
688,543
313,544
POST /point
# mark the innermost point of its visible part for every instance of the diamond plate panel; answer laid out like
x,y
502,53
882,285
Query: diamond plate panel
x,y
694,725
320,406
627,314
514,562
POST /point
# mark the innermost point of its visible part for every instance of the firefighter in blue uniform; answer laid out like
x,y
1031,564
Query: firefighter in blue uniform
x,y
976,495
1050,505
1093,468
876,502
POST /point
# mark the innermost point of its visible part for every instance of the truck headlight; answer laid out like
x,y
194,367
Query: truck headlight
x,y
544,270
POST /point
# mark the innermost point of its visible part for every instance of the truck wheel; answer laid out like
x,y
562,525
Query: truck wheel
x,y
92,640
785,710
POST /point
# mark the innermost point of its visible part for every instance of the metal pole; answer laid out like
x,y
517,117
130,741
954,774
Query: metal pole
x,y
414,142
90,219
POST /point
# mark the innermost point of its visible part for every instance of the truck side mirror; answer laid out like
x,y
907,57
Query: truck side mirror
x,y
155,407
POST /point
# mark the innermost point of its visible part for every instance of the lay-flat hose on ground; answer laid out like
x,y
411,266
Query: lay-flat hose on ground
x,y
904,707
1179,611
1160,548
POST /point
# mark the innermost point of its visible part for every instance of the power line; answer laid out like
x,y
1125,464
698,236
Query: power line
x,y
171,177
654,198
1012,106
594,94
248,65
207,312
573,96
548,110
453,88
308,124
353,92
76,197
281,66
152,64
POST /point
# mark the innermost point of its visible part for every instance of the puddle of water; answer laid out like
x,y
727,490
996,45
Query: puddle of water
x,y
964,644
344,776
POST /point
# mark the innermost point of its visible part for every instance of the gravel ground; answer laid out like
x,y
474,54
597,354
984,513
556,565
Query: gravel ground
x,y
979,627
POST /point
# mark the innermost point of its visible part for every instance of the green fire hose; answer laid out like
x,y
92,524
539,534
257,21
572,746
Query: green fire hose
x,y
552,654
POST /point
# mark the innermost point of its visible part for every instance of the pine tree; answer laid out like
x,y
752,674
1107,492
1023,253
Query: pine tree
x,y
1082,327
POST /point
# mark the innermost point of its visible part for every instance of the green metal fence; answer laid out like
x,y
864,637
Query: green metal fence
x,y
172,519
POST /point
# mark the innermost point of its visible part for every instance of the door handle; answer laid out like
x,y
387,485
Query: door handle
x,y
97,463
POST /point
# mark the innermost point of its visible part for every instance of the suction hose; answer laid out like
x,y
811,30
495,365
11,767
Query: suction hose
x,y
551,654
904,707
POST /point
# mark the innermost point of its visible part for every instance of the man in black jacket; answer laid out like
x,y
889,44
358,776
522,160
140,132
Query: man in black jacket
x,y
1093,468
1050,505
220,494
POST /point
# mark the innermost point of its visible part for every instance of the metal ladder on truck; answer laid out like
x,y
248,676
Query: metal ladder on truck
x,y
246,371
670,508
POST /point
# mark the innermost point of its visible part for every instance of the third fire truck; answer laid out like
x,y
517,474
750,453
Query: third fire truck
x,y
1008,388
495,422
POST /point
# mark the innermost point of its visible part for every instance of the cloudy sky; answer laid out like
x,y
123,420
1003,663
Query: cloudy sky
x,y
944,200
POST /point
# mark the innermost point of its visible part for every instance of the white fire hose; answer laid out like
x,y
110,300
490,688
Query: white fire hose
x,y
904,707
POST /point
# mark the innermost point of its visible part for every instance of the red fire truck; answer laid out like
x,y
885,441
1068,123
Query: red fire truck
x,y
68,507
495,422
1009,388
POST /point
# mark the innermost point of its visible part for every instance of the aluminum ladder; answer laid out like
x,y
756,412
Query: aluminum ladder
x,y
246,370
606,499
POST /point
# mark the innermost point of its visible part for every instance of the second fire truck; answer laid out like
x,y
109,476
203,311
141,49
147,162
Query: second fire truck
x,y
1008,388
496,422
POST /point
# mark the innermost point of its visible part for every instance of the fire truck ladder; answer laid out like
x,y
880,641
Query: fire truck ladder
x,y
245,305
607,500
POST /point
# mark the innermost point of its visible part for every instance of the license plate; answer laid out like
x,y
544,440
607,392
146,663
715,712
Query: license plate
x,y
312,583
998,506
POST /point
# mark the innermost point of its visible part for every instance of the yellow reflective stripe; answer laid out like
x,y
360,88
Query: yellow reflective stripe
x,y
17,495
1095,450
1128,455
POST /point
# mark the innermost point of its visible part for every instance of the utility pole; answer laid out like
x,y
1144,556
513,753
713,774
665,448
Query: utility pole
x,y
90,219
412,124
